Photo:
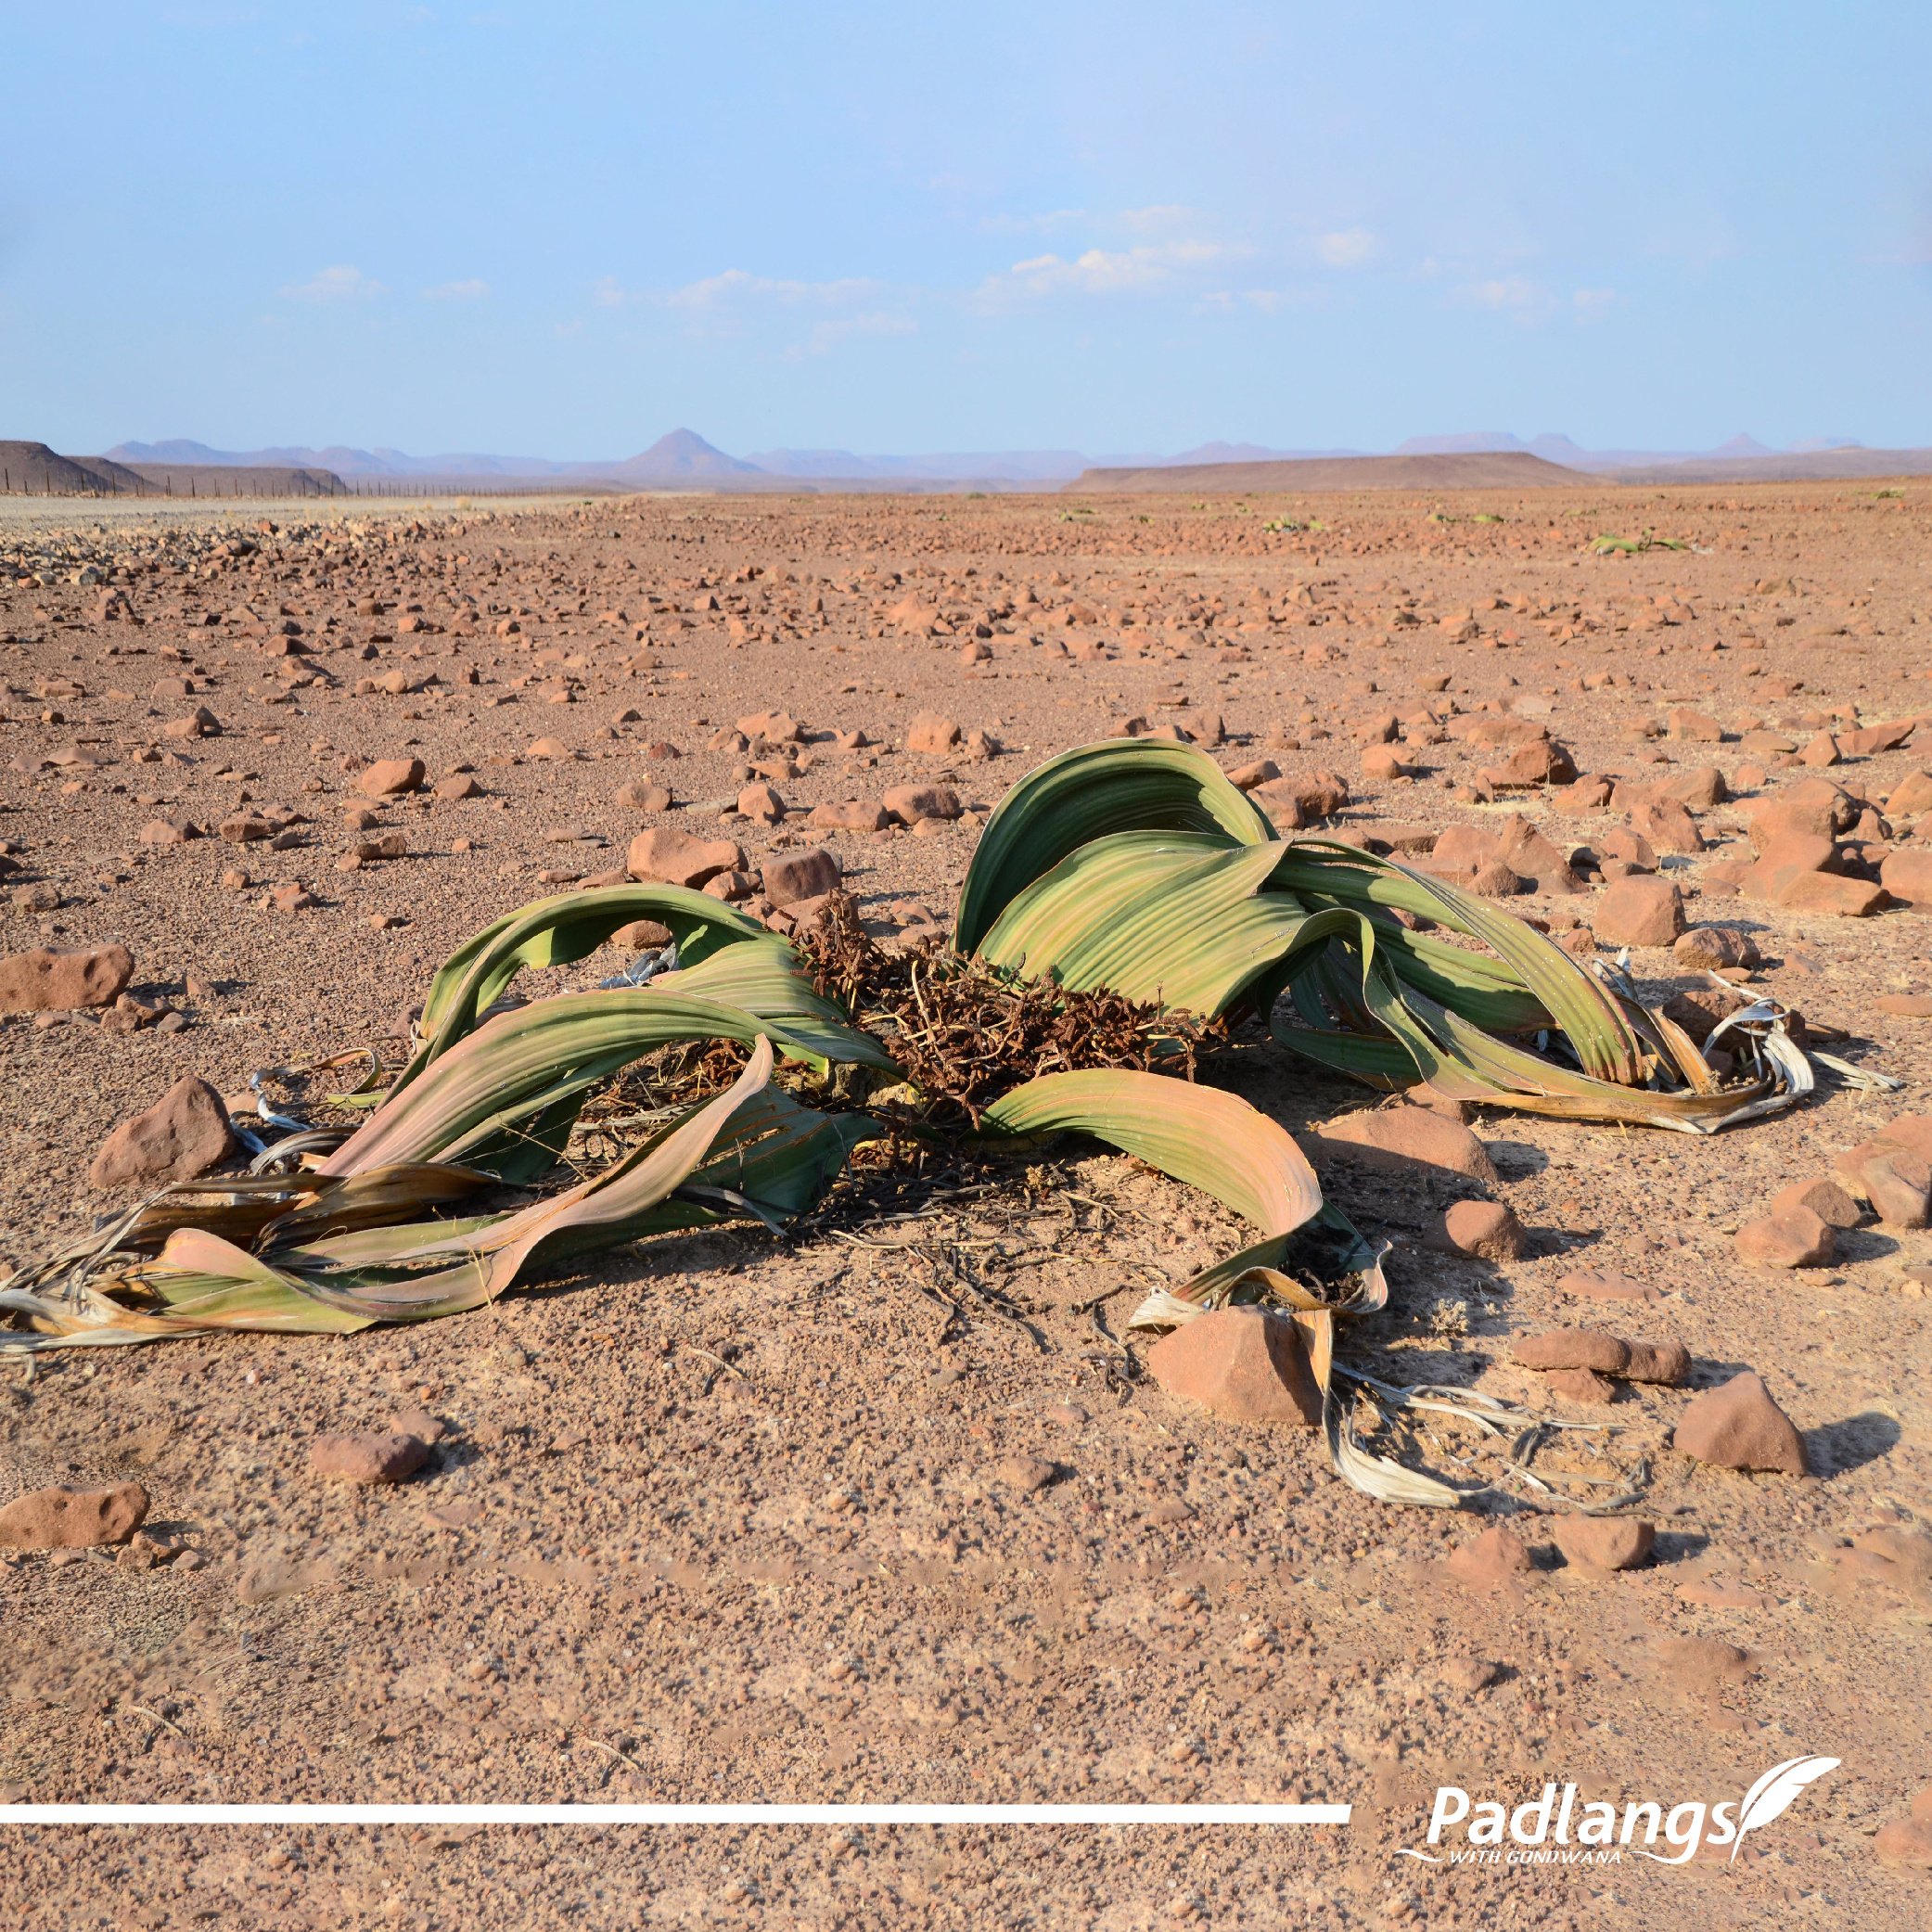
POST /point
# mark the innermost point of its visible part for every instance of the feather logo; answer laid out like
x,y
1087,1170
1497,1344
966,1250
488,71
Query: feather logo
x,y
1775,1791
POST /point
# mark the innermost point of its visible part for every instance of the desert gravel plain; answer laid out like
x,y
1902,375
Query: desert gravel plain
x,y
736,1518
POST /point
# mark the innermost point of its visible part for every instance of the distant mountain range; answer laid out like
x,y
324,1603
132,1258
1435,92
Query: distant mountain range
x,y
685,458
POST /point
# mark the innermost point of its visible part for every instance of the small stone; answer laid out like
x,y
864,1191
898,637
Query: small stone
x,y
761,803
1786,1237
182,1135
641,795
1605,1543
1582,1385
1396,1137
1573,1348
368,1456
1027,1474
63,1518
1487,1230
931,731
910,805
1823,1197
1494,1558
1716,949
787,878
1897,1183
53,981
1908,1841
1244,1364
848,815
1737,1426
388,777
457,786
1639,912
1605,1285
1665,1363
678,858
1905,1005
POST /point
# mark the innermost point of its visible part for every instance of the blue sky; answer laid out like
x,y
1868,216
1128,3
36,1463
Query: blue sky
x,y
563,229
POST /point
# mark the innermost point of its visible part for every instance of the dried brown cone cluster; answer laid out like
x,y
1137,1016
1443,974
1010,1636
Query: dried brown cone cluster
x,y
966,1032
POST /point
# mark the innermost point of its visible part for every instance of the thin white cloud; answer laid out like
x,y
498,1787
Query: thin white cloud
x,y
474,290
735,284
1162,218
829,334
1592,301
340,283
1030,224
1509,294
1346,247
1107,271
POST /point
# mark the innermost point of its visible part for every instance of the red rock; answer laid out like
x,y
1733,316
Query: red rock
x,y
642,935
761,802
1573,1348
1906,1841
850,815
1897,1180
166,831
1582,1385
1786,1237
1639,912
929,731
1394,1137
1737,1426
1905,1005
1716,949
291,898
1491,1560
1823,1197
1605,1543
49,982
1666,826
1487,1230
1028,1475
1832,893
910,803
245,828
639,796
678,858
808,874
1244,1364
368,1456
1257,771
457,786
1585,795
1493,880
63,1518
1605,1285
183,1135
773,727
1279,799
1666,1363
1911,796
1907,874
388,777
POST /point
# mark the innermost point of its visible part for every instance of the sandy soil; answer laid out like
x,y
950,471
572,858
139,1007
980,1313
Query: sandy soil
x,y
734,1518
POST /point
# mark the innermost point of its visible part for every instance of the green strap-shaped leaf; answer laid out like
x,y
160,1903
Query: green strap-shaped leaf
x,y
1124,785
554,932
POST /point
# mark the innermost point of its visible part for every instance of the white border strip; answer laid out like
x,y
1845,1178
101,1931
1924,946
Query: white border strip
x,y
677,1814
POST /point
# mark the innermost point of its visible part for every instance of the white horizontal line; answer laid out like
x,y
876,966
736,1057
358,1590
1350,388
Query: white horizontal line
x,y
677,1814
